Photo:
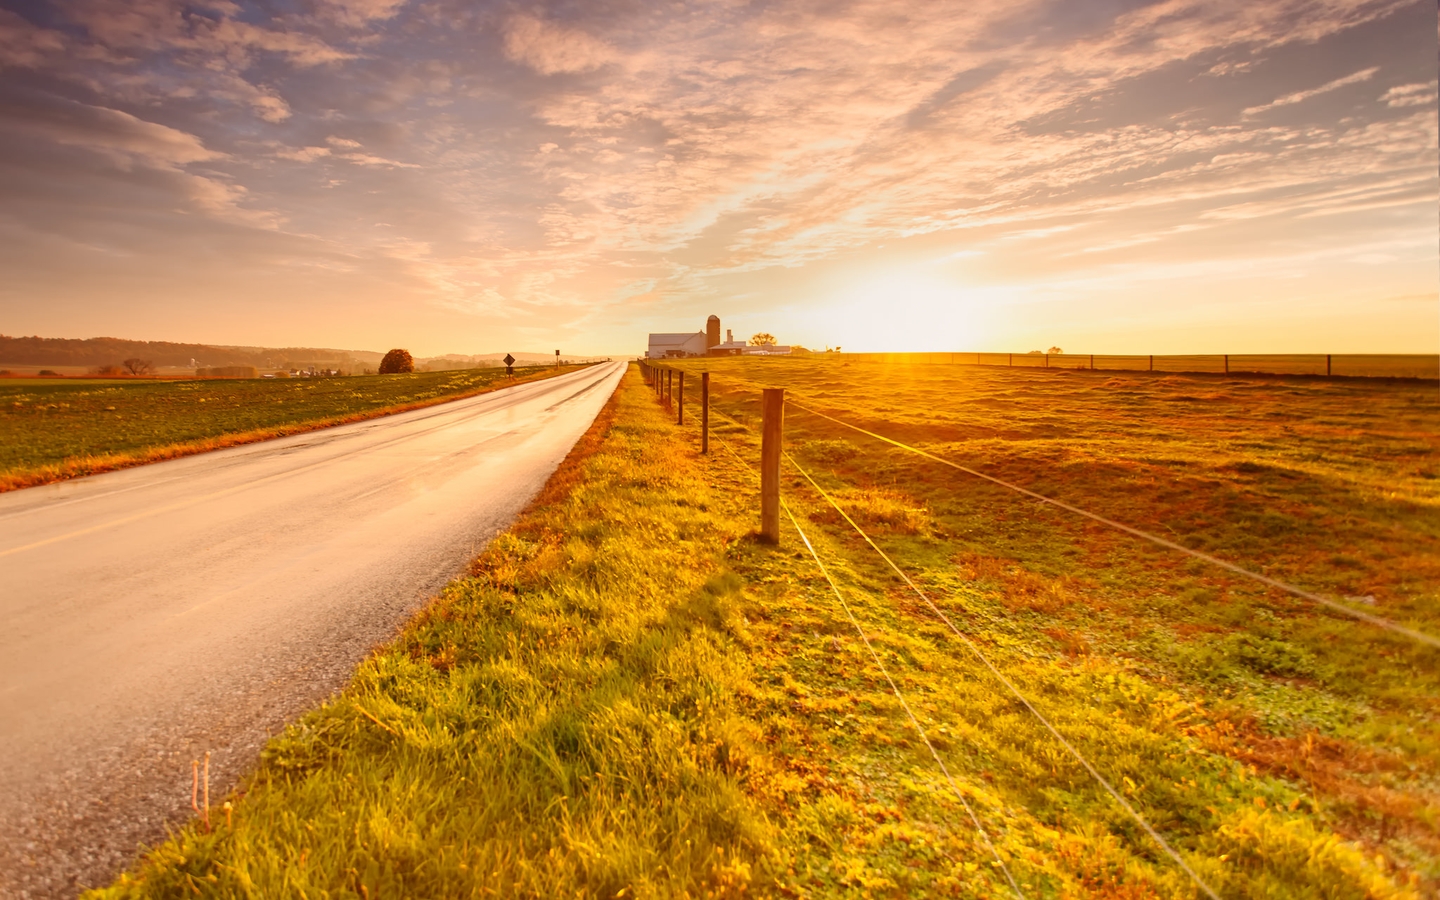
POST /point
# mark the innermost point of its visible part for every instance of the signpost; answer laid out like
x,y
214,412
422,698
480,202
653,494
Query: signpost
x,y
509,365
557,358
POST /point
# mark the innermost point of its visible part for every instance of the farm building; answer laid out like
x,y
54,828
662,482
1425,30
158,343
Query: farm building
x,y
705,343
663,346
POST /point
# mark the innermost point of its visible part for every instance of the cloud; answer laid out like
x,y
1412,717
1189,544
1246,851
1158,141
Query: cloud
x,y
556,155
551,49
304,154
1301,96
1410,95
108,131
362,13
23,44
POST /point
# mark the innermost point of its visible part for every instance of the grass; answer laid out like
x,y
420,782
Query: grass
x,y
630,696
52,429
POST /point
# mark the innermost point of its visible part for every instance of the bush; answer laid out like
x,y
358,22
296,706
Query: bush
x,y
397,361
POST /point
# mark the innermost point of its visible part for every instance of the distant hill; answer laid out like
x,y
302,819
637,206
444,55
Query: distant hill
x,y
107,351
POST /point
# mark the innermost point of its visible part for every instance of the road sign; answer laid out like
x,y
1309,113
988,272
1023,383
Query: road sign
x,y
509,364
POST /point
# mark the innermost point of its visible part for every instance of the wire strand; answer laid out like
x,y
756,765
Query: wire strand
x,y
914,722
979,654
1377,621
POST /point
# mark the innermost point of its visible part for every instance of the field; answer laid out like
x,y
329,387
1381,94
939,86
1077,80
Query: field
x,y
630,696
62,428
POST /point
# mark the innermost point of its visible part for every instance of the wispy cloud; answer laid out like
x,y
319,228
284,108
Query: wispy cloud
x,y
1301,96
570,164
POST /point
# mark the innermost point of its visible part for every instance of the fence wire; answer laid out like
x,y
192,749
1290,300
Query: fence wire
x,y
894,689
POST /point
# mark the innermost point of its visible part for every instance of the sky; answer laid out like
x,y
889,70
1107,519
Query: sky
x,y
453,176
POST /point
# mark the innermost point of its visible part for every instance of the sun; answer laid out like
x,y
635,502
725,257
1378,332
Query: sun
x,y
905,310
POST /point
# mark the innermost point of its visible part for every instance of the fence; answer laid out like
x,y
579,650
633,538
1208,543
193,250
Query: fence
x,y
664,380
1350,365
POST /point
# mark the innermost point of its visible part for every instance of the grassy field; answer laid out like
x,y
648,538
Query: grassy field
x,y
52,429
630,696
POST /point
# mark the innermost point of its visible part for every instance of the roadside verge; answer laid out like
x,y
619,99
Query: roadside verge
x,y
567,720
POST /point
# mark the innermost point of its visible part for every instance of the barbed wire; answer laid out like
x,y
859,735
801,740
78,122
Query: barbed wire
x,y
1000,676
1369,618
894,688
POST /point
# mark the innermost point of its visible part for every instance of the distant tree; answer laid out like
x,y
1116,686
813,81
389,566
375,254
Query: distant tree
x,y
1055,351
1035,353
397,361
761,339
109,370
137,366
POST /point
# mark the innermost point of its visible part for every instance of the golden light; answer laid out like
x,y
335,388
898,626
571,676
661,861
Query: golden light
x,y
908,309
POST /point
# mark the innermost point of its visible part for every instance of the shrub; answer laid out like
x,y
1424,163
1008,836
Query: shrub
x,y
397,361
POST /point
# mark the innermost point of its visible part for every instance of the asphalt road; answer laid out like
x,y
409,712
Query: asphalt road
x,y
155,613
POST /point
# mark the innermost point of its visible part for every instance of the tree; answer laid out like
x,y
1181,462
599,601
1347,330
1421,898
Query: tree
x,y
137,366
761,339
397,361
1055,351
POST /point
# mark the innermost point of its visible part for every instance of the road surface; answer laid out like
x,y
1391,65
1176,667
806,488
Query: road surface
x,y
155,613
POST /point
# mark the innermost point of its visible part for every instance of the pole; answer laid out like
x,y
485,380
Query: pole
x,y
680,402
1152,362
669,386
1327,365
1092,362
772,430
1227,364
705,412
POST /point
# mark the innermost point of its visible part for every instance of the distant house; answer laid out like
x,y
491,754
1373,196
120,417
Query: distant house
x,y
669,346
768,350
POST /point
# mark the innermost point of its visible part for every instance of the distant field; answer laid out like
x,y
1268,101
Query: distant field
x,y
1244,721
631,697
58,428
1421,366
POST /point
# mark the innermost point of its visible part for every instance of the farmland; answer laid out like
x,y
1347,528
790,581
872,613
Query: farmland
x,y
59,428
630,696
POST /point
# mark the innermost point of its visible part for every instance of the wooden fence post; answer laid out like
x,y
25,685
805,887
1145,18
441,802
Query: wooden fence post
x,y
1327,365
1227,364
772,431
680,402
1092,362
1152,362
704,412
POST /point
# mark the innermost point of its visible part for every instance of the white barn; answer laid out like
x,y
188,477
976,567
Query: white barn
x,y
672,345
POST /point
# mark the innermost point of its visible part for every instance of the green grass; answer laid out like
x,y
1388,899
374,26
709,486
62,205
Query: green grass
x,y
1331,485
631,697
52,429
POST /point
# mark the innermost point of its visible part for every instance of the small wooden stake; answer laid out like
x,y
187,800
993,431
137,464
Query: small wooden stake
x,y
704,412
680,402
772,431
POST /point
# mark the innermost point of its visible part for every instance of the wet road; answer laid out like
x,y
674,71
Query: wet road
x,y
155,613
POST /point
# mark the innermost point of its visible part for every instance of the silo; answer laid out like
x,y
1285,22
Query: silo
x,y
712,332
